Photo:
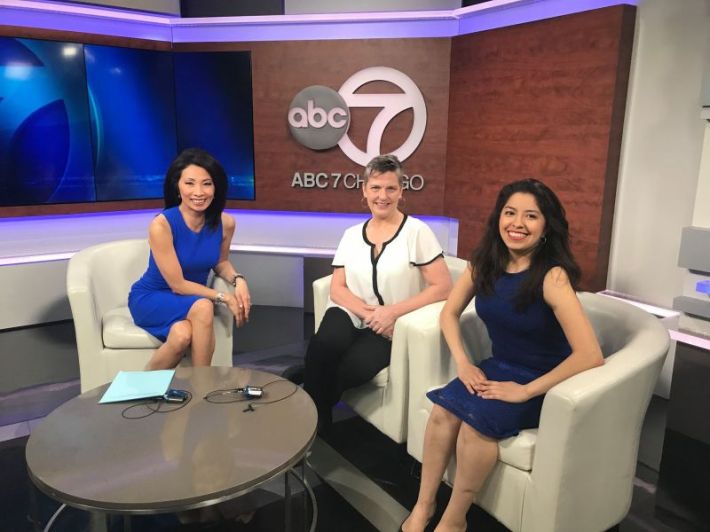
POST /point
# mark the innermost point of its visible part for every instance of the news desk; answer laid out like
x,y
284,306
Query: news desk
x,y
88,456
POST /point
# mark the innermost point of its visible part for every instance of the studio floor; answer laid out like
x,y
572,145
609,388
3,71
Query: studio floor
x,y
362,480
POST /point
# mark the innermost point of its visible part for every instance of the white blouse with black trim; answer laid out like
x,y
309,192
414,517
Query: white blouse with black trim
x,y
394,274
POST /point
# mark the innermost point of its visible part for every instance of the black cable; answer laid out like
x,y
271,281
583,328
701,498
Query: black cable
x,y
228,394
154,405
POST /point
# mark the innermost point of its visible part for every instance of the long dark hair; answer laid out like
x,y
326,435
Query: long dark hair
x,y
201,158
491,257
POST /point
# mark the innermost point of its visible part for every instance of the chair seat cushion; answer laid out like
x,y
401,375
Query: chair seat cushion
x,y
382,378
119,332
518,451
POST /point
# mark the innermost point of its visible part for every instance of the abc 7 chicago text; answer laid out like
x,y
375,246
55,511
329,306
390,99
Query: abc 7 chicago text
x,y
325,180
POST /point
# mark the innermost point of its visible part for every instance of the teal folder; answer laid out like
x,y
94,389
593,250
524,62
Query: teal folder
x,y
130,385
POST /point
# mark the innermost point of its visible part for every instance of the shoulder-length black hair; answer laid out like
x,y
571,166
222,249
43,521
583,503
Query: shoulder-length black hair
x,y
198,157
491,257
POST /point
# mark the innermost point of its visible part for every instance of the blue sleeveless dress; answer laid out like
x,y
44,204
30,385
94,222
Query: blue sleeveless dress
x,y
525,345
154,307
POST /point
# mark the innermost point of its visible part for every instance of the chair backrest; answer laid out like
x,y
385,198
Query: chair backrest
x,y
619,325
107,271
456,266
321,287
590,424
634,343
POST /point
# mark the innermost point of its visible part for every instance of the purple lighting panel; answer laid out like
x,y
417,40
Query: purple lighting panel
x,y
383,25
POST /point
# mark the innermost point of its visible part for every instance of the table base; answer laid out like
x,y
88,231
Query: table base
x,y
98,520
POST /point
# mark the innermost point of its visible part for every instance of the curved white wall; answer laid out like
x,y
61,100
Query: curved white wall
x,y
661,149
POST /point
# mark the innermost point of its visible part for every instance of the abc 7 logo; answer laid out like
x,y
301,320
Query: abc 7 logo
x,y
319,117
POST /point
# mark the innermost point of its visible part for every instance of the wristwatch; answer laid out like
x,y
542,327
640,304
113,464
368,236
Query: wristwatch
x,y
237,276
219,299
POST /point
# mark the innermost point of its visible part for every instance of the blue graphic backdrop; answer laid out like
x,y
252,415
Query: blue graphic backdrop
x,y
132,120
85,123
45,148
214,112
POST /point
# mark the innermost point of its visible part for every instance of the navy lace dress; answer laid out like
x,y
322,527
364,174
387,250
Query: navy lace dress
x,y
526,344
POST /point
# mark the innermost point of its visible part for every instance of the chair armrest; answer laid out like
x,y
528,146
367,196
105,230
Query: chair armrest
x,y
399,368
425,350
321,292
396,393
432,366
590,425
85,314
222,316
431,362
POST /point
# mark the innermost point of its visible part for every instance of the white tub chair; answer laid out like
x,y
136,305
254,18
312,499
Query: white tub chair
x,y
383,401
98,281
575,472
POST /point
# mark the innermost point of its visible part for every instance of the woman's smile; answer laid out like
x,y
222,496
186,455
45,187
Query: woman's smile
x,y
521,224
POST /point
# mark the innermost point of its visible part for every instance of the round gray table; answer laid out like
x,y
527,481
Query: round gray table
x,y
88,456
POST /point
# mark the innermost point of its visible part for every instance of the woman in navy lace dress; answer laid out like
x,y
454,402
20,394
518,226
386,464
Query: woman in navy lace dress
x,y
524,278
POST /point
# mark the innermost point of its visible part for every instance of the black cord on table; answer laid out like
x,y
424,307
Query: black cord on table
x,y
154,406
230,395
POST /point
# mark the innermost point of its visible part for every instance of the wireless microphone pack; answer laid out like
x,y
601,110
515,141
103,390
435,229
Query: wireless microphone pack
x,y
175,396
253,392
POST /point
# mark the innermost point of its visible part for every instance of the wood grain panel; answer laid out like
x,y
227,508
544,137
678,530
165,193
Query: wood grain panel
x,y
280,70
541,100
84,38
77,208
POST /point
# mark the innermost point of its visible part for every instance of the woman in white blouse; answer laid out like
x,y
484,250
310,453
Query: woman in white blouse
x,y
383,268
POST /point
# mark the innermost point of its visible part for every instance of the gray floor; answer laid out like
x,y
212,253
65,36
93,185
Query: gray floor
x,y
275,339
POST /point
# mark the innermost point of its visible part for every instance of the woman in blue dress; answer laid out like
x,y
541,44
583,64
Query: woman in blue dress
x,y
187,240
524,278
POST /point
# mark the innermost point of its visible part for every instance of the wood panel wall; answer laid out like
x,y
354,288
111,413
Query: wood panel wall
x,y
282,69
543,100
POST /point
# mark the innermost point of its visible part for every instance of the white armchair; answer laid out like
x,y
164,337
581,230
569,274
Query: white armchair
x,y
383,401
575,471
98,281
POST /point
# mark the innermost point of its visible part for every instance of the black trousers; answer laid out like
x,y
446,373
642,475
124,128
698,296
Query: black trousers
x,y
339,357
